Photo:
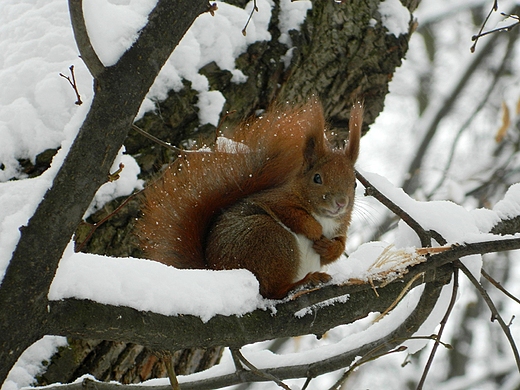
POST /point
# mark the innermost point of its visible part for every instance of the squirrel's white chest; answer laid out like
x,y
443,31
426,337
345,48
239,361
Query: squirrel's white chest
x,y
309,259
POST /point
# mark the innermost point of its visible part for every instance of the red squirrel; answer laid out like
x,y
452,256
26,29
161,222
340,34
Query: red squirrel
x,y
276,201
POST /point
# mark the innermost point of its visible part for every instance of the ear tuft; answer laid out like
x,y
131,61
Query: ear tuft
x,y
310,155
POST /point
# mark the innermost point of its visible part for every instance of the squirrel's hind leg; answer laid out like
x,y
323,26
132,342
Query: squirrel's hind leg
x,y
245,236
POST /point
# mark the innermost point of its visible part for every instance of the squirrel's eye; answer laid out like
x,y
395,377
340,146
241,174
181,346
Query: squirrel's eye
x,y
317,179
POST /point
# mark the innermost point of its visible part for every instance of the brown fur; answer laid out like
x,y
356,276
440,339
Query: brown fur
x,y
229,209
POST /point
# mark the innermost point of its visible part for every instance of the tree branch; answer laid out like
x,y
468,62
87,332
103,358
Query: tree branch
x,y
95,320
443,323
232,325
370,190
507,226
498,285
87,52
495,314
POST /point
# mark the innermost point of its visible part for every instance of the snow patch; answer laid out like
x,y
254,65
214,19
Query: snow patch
x,y
395,17
151,286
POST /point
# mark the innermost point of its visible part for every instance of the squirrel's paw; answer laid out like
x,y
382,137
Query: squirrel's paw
x,y
310,282
329,250
315,278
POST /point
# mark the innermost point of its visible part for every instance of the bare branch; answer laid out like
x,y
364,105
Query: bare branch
x,y
417,228
253,10
443,323
372,355
495,314
494,8
73,84
258,372
507,226
498,285
156,140
87,52
495,30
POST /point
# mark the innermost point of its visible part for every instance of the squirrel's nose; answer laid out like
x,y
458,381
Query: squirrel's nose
x,y
341,203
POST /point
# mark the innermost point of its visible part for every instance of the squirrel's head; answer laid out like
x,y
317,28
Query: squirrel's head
x,y
328,178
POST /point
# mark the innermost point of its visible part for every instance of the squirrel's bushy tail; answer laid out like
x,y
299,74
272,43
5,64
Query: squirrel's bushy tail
x,y
179,207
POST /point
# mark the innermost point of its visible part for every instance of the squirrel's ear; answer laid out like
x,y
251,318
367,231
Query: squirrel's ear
x,y
354,131
310,152
314,124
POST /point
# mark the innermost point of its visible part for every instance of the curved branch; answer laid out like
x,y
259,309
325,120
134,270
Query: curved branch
x,y
495,314
95,320
443,323
370,190
87,52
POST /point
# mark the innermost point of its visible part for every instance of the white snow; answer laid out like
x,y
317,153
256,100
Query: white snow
x,y
150,286
113,26
124,185
31,363
395,17
509,207
216,39
292,15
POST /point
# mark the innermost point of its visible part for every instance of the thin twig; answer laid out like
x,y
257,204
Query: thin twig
x,y
443,323
498,285
161,142
260,373
256,371
72,82
96,225
424,236
174,383
476,37
255,8
365,359
399,297
224,117
157,140
495,30
495,314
